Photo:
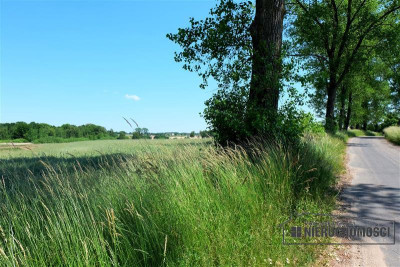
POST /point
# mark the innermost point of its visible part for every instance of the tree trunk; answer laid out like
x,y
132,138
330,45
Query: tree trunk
x,y
330,105
350,102
342,107
266,33
364,126
364,105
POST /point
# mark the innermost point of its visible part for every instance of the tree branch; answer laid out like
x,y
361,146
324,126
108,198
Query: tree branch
x,y
361,39
335,26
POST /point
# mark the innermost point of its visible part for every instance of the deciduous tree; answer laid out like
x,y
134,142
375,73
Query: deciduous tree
x,y
331,35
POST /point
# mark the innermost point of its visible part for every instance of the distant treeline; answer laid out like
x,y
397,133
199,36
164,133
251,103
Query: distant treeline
x,y
45,133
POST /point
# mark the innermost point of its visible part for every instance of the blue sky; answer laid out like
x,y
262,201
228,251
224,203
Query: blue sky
x,y
95,61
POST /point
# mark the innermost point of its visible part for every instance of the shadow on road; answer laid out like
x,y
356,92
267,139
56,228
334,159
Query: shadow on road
x,y
357,144
372,198
371,137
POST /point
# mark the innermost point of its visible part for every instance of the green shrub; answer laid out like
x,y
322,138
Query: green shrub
x,y
391,119
231,121
136,135
392,134
160,136
122,135
309,124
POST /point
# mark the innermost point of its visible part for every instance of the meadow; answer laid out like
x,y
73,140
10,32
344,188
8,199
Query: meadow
x,y
162,202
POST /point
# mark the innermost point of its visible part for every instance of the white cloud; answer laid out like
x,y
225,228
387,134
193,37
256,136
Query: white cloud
x,y
133,97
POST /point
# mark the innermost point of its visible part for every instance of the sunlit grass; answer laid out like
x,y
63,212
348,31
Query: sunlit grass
x,y
171,202
345,135
357,133
392,134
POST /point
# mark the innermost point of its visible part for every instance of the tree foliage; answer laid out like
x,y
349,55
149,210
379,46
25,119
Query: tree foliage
x,y
347,55
389,51
219,46
222,48
332,37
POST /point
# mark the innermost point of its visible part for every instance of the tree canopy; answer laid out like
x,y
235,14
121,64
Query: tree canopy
x,y
334,37
345,54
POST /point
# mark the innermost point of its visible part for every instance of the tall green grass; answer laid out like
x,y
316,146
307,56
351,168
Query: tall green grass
x,y
175,205
392,134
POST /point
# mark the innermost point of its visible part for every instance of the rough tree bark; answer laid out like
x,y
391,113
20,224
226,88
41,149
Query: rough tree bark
x,y
348,116
342,114
364,105
266,33
330,107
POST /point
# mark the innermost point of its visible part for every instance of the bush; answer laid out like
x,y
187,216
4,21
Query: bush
x,y
136,135
309,124
393,134
160,136
122,135
231,121
391,119
225,113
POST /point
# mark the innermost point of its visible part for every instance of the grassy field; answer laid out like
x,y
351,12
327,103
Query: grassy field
x,y
161,202
393,134
345,135
356,133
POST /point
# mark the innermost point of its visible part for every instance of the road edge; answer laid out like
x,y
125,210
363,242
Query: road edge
x,y
348,255
352,255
